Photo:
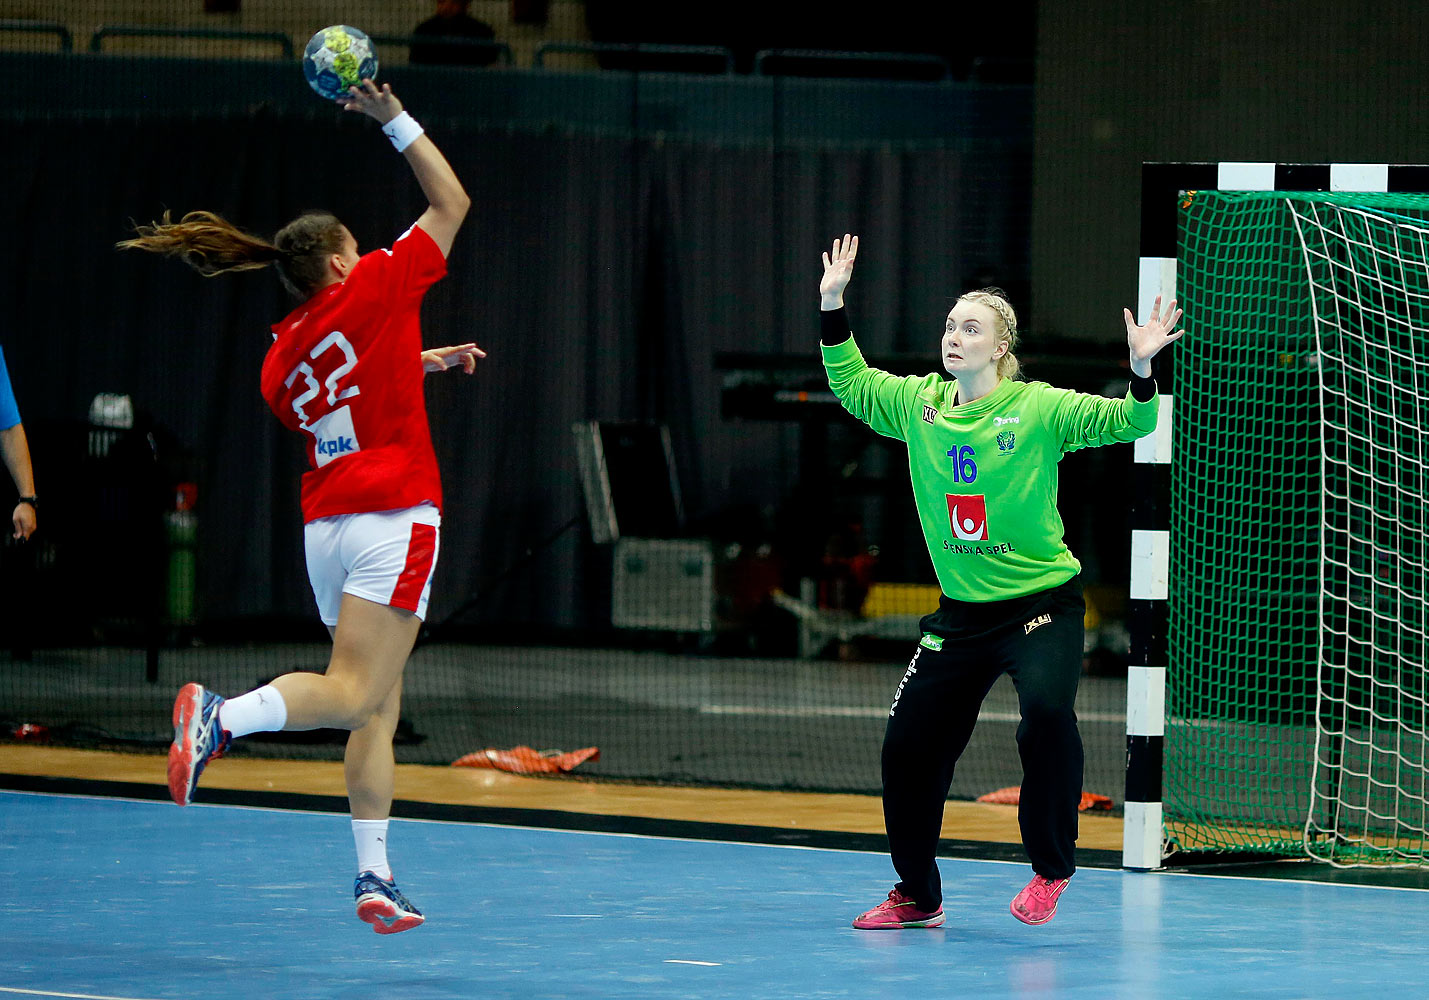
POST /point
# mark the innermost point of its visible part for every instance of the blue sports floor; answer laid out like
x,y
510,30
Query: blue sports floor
x,y
117,898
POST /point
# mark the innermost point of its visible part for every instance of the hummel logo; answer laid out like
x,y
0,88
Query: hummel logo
x,y
912,669
1034,623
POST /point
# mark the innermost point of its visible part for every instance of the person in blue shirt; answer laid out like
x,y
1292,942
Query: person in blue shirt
x,y
15,451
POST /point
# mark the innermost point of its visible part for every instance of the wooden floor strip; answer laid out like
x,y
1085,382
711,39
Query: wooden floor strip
x,y
461,786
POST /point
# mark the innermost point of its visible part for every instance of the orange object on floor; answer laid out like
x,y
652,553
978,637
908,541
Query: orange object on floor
x,y
1011,795
525,760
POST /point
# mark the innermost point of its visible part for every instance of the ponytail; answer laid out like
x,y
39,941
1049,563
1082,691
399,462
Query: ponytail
x,y
208,243
212,245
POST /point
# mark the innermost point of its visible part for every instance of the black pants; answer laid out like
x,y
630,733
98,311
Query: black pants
x,y
1037,640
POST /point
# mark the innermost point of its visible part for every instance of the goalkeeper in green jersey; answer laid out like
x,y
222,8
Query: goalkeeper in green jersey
x,y
983,450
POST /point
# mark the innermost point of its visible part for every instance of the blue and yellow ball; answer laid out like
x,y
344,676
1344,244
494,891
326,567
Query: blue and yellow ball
x,y
338,57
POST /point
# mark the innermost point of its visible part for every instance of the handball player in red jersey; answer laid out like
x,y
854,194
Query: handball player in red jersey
x,y
345,371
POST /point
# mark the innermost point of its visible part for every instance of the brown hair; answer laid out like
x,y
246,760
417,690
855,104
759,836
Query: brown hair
x,y
996,299
212,245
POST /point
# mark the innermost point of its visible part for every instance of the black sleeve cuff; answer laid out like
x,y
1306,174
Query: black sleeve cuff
x,y
833,327
1143,390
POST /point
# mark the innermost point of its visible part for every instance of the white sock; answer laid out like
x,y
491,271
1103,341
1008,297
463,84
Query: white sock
x,y
371,838
260,711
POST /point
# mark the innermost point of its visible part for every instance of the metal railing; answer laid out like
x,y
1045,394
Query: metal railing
x,y
936,67
96,41
501,49
709,59
712,53
41,28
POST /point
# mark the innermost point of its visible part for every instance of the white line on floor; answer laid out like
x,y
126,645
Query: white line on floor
x,y
71,996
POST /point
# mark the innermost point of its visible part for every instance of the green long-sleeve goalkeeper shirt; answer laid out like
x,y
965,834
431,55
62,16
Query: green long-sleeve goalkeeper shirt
x,y
984,473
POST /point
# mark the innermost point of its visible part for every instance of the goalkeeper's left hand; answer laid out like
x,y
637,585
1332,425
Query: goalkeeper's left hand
x,y
1146,341
439,359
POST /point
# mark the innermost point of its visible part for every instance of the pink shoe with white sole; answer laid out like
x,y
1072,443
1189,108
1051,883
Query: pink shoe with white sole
x,y
1037,903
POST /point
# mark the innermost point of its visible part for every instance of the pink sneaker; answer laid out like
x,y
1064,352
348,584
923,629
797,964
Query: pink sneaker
x,y
895,913
1037,903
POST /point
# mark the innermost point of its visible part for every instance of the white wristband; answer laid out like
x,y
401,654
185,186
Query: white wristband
x,y
403,131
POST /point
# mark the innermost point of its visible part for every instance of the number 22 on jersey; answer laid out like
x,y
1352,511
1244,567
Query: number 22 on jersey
x,y
333,432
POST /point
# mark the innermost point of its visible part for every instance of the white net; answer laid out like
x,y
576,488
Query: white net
x,y
1367,264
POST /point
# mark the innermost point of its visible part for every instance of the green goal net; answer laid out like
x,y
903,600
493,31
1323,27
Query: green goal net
x,y
1296,695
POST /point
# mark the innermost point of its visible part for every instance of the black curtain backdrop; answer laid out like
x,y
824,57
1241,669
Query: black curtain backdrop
x,y
602,271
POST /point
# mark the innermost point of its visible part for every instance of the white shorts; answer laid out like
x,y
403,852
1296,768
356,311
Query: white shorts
x,y
386,556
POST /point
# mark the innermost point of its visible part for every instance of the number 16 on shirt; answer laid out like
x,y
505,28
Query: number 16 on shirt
x,y
964,468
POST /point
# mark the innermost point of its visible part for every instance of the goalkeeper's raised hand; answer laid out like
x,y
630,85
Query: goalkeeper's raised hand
x,y
1145,342
838,269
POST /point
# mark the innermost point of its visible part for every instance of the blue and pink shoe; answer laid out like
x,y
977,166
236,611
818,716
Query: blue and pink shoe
x,y
381,904
198,739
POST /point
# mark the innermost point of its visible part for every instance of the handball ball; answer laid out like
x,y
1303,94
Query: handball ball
x,y
337,58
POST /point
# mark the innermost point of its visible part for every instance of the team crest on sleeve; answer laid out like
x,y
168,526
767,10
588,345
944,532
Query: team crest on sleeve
x,y
968,517
929,412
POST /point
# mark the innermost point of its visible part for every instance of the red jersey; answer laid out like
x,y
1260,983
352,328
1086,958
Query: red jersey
x,y
345,370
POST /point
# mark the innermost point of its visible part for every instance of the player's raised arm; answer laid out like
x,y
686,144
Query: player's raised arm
x,y
447,200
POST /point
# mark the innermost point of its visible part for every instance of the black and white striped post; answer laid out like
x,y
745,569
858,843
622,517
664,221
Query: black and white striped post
x,y
1148,612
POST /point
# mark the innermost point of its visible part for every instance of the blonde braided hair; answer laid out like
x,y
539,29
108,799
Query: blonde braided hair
x,y
996,300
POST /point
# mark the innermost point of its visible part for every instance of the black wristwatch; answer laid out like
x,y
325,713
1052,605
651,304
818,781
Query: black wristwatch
x,y
32,501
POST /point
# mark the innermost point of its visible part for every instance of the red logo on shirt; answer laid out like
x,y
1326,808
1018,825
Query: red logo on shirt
x,y
968,517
